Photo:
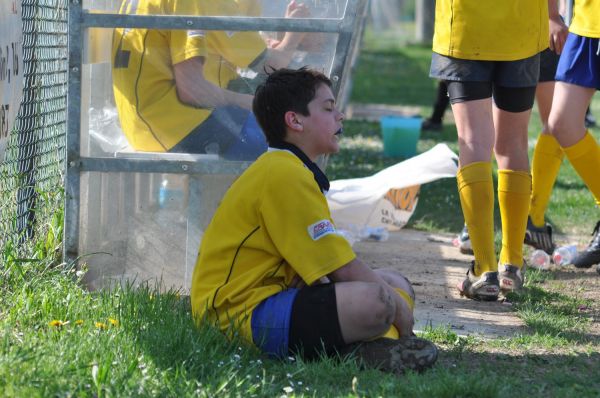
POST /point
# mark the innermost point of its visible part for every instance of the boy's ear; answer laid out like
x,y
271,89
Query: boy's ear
x,y
293,121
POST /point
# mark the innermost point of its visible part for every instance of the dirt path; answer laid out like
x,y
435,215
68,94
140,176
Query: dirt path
x,y
435,267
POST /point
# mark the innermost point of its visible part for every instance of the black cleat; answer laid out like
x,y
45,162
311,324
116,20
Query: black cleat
x,y
591,255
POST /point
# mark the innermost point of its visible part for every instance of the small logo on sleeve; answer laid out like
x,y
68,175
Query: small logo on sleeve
x,y
320,229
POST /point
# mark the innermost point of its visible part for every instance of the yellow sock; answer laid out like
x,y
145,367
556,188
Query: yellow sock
x,y
547,158
476,191
585,158
514,190
392,332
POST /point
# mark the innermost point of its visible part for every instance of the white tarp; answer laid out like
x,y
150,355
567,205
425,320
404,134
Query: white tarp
x,y
11,67
389,197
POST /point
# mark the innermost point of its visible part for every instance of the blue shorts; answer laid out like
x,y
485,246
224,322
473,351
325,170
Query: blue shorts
x,y
580,62
299,322
229,131
271,323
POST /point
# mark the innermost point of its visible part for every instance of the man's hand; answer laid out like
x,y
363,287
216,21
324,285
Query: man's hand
x,y
297,10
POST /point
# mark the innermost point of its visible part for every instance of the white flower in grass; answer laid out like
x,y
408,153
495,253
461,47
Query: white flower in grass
x,y
288,389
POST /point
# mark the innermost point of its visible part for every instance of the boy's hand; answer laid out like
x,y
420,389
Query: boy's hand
x,y
558,34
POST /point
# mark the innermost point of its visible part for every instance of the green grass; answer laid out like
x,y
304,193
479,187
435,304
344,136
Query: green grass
x,y
142,342
152,348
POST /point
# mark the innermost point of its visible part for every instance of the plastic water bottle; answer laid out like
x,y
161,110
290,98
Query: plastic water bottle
x,y
169,197
564,255
379,234
539,259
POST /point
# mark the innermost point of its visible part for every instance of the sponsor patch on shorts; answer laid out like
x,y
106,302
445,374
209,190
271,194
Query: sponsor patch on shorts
x,y
320,229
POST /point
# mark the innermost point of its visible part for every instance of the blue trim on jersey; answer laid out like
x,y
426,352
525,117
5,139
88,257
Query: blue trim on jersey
x,y
580,62
271,323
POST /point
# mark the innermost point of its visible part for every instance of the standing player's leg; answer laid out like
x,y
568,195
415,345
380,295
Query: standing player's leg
x,y
475,128
512,110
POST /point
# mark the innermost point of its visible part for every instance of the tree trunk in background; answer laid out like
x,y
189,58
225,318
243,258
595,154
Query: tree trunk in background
x,y
424,20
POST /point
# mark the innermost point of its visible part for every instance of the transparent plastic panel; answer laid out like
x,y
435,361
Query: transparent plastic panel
x,y
263,8
135,101
145,227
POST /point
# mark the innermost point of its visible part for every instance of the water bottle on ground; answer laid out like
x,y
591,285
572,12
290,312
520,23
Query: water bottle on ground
x,y
564,255
539,259
379,234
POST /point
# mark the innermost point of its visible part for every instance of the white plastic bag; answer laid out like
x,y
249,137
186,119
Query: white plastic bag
x,y
389,197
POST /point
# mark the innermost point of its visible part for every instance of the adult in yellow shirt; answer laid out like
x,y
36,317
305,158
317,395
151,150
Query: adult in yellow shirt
x,y
488,54
272,267
175,89
577,79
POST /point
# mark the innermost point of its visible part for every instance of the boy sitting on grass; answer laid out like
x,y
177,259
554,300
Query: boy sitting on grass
x,y
272,265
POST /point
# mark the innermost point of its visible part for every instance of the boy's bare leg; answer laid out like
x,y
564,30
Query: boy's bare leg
x,y
511,139
396,280
365,310
567,119
474,123
514,192
475,126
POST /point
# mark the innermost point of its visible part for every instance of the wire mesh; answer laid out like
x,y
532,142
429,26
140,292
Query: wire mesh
x,y
31,173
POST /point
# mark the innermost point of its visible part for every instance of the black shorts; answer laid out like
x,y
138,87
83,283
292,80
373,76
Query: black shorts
x,y
548,63
314,324
511,83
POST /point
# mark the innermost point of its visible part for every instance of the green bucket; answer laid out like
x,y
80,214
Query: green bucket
x,y
400,135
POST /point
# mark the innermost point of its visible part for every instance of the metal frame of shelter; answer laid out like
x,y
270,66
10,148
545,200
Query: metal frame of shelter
x,y
349,30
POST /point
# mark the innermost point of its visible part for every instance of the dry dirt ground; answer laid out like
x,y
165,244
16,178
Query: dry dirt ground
x,y
435,267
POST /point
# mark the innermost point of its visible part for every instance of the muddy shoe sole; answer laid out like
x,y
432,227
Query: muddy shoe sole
x,y
395,356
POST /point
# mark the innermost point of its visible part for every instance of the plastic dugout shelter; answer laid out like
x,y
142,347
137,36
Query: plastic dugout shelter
x,y
116,218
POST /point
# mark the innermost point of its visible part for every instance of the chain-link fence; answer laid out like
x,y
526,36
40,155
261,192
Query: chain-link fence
x,y
31,173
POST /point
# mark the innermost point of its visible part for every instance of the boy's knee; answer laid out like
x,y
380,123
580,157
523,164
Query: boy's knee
x,y
380,305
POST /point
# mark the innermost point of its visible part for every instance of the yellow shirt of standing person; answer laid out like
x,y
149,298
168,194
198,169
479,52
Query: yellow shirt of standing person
x,y
151,114
490,30
586,18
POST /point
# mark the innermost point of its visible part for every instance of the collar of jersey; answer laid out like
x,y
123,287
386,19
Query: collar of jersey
x,y
318,174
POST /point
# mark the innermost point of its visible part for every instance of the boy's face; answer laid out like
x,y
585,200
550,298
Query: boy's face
x,y
320,127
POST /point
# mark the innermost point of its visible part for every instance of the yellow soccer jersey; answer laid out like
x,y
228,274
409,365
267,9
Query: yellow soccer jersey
x,y
151,115
490,30
586,18
273,224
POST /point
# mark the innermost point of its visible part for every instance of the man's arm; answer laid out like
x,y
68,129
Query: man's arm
x,y
193,89
281,53
558,29
356,270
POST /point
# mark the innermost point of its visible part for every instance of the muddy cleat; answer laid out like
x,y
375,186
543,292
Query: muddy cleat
x,y
591,255
511,278
485,287
539,237
395,355
463,241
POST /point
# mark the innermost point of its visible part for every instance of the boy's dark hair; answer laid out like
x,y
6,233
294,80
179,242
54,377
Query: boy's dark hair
x,y
285,90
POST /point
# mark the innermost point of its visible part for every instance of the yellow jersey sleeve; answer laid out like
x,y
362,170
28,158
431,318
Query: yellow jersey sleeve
x,y
586,18
299,223
490,30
